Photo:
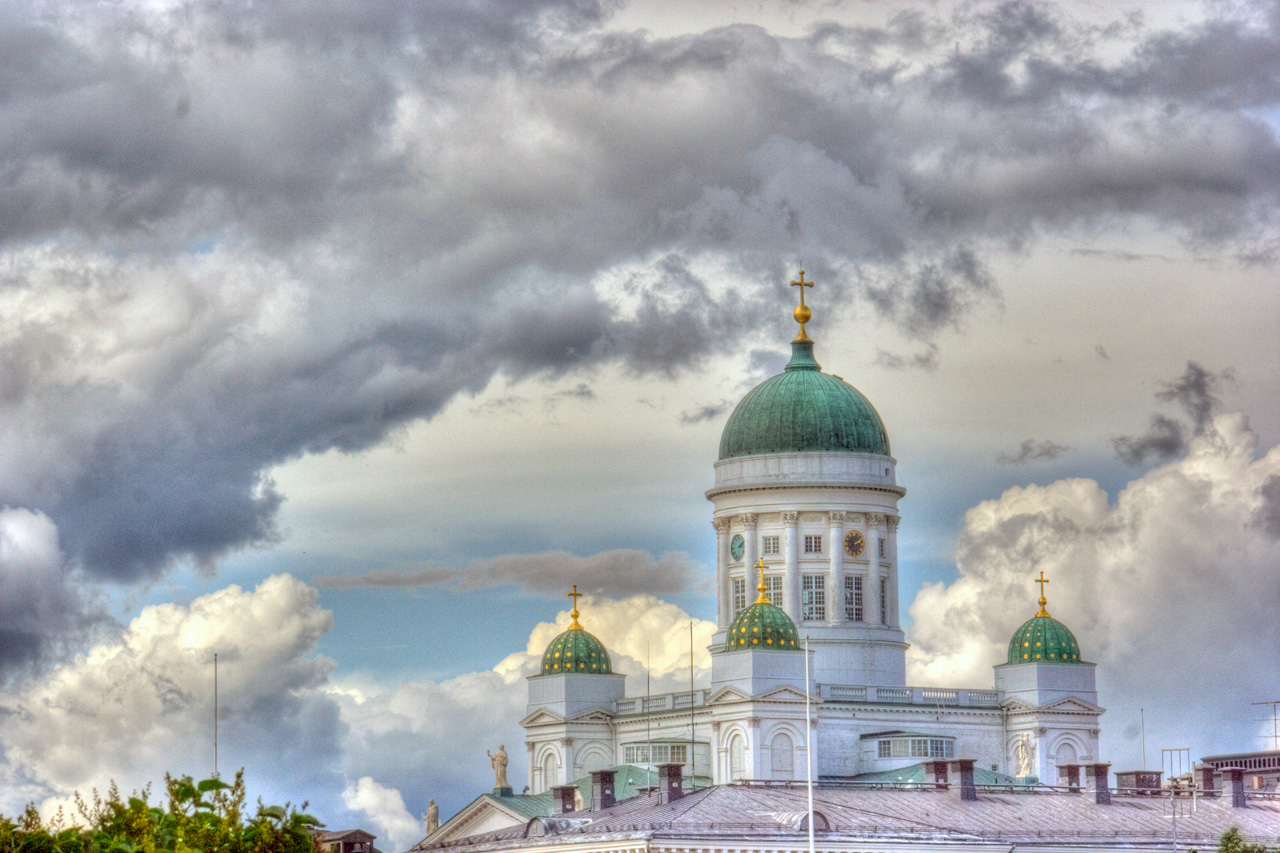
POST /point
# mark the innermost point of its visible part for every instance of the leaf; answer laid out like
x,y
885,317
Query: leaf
x,y
207,785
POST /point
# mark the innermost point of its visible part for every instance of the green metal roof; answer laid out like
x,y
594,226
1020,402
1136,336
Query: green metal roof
x,y
1043,638
803,409
576,651
763,626
914,773
628,781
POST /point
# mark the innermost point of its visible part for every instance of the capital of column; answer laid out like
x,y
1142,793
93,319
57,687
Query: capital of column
x,y
892,521
748,520
753,722
566,741
790,518
720,524
836,516
875,519
715,725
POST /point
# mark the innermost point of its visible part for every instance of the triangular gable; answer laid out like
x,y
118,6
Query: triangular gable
x,y
1017,705
541,717
595,715
1073,704
785,693
726,695
486,813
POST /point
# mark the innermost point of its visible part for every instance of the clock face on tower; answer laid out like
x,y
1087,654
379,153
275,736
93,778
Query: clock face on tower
x,y
737,546
854,544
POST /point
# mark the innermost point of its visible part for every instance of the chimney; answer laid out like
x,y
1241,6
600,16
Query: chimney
x,y
1234,778
602,790
963,768
669,783
562,799
935,774
1204,776
1072,772
1097,779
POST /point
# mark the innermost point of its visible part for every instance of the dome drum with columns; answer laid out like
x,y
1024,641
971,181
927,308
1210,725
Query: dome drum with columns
x,y
806,518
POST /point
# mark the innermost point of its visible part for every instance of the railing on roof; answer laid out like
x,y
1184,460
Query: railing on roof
x,y
909,695
663,702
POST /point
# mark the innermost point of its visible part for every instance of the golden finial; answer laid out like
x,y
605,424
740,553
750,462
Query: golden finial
x,y
763,599
802,312
1042,580
575,595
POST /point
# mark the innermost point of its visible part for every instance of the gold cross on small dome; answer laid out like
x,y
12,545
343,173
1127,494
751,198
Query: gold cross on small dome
x,y
1042,580
575,595
763,599
802,312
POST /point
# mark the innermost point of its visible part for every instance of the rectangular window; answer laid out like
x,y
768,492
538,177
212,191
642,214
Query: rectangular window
x,y
813,544
769,545
815,596
884,749
881,548
773,589
901,748
853,598
656,753
739,595
884,603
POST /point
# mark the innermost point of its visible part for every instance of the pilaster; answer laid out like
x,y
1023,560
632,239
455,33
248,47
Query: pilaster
x,y
835,582
723,587
791,570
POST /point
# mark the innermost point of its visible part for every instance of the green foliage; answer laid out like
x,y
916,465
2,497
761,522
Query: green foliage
x,y
1231,842
202,817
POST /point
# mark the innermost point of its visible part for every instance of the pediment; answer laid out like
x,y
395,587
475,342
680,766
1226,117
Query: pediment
x,y
595,715
786,693
542,717
484,814
1073,705
727,695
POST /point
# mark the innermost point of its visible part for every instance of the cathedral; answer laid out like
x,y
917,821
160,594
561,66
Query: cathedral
x,y
808,651
805,512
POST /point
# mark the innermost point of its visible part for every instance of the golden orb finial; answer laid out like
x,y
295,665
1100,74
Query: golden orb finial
x,y
802,312
1042,580
575,595
763,599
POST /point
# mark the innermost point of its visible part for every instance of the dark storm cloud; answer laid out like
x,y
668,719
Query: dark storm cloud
x,y
708,412
1196,392
232,235
1032,451
926,360
1267,515
621,572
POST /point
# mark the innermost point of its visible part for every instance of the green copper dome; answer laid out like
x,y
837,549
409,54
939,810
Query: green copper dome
x,y
1043,638
576,651
803,409
763,626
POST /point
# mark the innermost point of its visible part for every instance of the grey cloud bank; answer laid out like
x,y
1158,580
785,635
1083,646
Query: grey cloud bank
x,y
297,229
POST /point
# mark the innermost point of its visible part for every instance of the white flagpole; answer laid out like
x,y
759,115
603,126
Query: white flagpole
x,y
808,740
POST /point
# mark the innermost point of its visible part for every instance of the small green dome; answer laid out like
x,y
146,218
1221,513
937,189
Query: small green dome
x,y
803,409
1043,638
763,626
576,651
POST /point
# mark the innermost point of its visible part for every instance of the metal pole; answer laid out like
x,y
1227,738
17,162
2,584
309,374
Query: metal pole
x,y
692,765
1142,712
808,741
215,715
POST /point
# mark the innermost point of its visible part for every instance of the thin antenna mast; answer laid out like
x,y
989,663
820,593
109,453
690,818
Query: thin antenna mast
x,y
808,741
692,703
1142,715
648,723
215,715
1275,729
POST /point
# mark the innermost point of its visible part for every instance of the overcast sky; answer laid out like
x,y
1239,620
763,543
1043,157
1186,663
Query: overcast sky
x,y
341,337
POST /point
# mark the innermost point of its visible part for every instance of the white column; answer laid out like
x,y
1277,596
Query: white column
x,y
835,544
791,572
874,581
891,553
724,591
748,520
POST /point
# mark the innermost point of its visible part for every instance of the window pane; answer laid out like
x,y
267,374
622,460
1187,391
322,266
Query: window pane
x,y
813,544
770,545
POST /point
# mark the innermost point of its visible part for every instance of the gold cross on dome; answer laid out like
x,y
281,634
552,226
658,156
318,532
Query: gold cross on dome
x,y
575,595
1042,580
802,312
763,599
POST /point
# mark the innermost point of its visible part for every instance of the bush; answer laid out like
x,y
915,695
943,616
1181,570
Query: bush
x,y
202,817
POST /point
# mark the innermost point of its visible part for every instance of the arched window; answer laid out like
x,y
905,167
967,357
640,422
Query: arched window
x,y
737,757
595,759
782,759
1066,754
550,771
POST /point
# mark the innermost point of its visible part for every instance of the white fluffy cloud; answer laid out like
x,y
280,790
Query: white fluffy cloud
x,y
385,807
141,705
1171,589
